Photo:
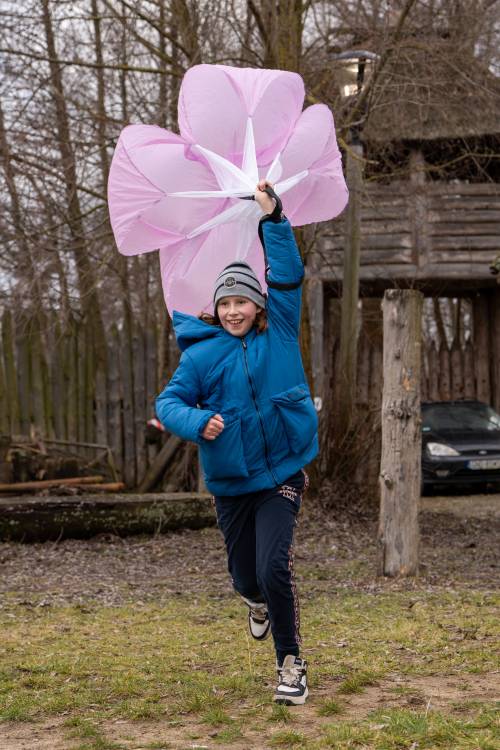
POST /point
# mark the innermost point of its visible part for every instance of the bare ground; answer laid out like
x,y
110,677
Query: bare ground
x,y
423,693
459,544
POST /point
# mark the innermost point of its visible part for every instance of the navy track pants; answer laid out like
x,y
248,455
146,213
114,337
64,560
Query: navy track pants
x,y
258,530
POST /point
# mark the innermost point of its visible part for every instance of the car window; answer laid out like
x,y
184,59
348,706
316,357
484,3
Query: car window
x,y
460,417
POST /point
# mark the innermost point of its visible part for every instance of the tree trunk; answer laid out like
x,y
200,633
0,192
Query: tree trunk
x,y
87,281
400,469
350,293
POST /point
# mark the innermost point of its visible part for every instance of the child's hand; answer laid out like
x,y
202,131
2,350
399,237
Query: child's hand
x,y
213,427
263,199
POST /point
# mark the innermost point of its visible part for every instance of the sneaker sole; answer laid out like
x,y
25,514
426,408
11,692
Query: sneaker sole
x,y
290,700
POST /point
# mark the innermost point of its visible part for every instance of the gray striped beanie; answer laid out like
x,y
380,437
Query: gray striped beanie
x,y
238,280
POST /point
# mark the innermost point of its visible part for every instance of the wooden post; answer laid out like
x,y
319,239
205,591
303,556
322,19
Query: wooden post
x,y
115,398
418,209
23,360
494,346
11,387
139,395
316,318
316,310
350,290
400,469
126,368
481,336
433,372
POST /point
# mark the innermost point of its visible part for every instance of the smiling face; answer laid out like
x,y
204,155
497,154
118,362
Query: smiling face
x,y
237,314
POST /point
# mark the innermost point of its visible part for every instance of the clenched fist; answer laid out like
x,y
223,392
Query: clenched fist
x,y
213,427
265,201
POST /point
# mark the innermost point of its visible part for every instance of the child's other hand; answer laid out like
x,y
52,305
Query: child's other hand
x,y
213,427
263,199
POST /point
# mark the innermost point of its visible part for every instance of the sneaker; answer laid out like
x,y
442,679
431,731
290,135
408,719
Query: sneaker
x,y
292,681
258,620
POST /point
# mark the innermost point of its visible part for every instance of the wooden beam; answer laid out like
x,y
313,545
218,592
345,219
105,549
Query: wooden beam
x,y
47,483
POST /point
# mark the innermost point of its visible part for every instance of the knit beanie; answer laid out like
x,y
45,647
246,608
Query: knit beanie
x,y
238,280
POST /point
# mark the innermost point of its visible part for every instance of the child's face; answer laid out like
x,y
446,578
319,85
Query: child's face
x,y
237,314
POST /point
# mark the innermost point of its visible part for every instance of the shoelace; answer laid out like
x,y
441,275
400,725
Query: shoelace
x,y
259,613
290,676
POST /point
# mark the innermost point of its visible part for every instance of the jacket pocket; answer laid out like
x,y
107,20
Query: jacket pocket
x,y
298,415
223,457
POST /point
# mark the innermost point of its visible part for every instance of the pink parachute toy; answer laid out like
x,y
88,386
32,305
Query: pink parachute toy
x,y
182,194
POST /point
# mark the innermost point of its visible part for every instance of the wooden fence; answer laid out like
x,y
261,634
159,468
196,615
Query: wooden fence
x,y
453,367
48,387
48,383
463,364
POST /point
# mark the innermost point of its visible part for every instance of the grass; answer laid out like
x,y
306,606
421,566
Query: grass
x,y
281,713
357,681
287,738
330,707
142,663
92,738
397,728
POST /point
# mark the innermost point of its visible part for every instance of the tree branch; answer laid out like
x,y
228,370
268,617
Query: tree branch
x,y
81,64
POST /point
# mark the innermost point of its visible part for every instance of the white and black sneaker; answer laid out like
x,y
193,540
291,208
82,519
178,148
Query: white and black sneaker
x,y
258,620
292,681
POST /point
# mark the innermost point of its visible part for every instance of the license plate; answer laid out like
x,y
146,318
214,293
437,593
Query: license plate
x,y
485,463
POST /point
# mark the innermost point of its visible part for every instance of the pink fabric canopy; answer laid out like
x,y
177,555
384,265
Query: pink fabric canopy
x,y
182,194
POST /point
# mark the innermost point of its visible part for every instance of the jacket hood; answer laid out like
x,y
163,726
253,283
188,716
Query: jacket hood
x,y
189,330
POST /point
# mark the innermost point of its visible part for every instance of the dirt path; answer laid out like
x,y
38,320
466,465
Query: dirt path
x,y
444,693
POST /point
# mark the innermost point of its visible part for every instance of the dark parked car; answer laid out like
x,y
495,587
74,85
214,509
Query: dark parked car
x,y
460,444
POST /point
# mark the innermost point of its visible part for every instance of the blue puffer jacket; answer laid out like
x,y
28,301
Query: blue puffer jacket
x,y
257,383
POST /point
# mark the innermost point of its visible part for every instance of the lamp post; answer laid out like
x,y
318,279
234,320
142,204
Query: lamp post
x,y
353,71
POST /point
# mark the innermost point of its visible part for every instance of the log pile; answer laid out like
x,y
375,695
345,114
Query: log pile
x,y
39,465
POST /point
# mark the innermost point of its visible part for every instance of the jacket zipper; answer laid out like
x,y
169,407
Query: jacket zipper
x,y
261,421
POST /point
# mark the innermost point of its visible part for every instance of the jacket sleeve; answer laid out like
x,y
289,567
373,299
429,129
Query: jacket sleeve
x,y
176,405
284,275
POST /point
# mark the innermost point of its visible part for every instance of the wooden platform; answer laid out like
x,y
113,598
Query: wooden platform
x,y
32,519
428,232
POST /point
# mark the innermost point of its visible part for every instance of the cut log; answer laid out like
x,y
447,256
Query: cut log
x,y
400,468
54,517
160,463
44,483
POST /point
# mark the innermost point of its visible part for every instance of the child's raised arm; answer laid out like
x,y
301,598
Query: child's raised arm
x,y
284,268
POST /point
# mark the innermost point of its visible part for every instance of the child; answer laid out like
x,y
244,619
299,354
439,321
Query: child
x,y
256,427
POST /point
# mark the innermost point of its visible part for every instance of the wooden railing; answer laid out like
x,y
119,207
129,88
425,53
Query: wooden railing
x,y
428,231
